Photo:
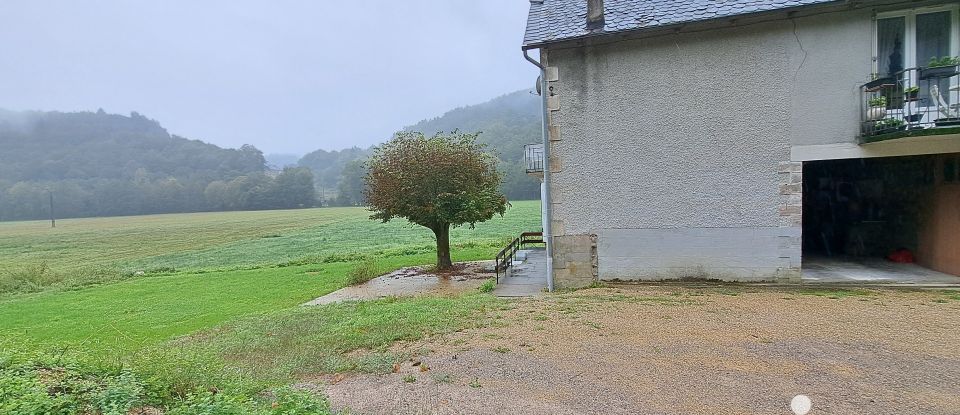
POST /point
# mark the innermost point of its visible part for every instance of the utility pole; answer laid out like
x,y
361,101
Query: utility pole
x,y
53,220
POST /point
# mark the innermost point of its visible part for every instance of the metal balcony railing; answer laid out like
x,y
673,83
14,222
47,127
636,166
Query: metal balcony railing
x,y
533,158
914,101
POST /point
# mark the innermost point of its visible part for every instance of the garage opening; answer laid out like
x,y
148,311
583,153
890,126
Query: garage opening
x,y
893,219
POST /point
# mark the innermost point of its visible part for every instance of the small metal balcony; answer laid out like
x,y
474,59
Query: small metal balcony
x,y
914,101
533,159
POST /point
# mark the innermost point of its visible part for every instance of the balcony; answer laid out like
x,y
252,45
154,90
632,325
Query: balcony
x,y
912,102
533,159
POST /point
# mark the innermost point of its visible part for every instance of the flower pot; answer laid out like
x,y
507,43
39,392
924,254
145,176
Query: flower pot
x,y
947,122
876,113
938,72
913,118
880,83
910,96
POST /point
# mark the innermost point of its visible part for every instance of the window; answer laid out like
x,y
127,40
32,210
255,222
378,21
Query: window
x,y
909,39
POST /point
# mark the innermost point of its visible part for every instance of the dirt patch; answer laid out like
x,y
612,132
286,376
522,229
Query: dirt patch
x,y
413,281
675,350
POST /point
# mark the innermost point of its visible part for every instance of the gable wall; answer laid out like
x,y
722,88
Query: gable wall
x,y
672,153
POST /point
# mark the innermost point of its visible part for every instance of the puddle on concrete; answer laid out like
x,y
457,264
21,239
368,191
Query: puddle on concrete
x,y
413,281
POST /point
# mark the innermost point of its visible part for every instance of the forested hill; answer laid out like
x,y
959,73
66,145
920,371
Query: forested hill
x,y
86,145
99,164
506,123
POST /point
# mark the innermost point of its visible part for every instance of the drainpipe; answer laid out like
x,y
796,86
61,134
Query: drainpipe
x,y
547,209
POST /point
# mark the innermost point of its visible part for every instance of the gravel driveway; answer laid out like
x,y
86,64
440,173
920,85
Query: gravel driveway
x,y
666,350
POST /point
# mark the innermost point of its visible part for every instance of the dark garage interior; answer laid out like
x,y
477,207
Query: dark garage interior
x,y
879,211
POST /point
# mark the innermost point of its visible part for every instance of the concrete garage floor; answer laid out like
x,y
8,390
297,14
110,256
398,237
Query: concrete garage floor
x,y
870,270
527,276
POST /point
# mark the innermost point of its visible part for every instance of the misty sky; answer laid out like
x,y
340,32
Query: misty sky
x,y
286,76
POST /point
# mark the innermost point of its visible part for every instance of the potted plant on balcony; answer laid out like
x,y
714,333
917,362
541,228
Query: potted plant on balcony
x,y
910,94
889,124
878,82
943,67
877,108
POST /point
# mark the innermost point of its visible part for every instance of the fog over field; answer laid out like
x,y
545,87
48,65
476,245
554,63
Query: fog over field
x,y
286,76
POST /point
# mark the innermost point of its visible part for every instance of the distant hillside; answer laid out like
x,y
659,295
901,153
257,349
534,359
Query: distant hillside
x,y
87,145
327,166
506,122
99,164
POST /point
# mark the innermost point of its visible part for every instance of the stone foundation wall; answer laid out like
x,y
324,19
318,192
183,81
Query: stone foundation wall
x,y
574,260
790,175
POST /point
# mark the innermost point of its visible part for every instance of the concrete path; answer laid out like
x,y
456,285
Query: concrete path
x,y
414,281
870,270
527,277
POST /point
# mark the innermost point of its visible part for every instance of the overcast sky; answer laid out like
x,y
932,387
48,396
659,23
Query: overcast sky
x,y
286,76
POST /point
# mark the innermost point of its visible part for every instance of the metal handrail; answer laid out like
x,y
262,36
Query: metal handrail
x,y
506,255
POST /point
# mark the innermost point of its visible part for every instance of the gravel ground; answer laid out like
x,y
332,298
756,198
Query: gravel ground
x,y
666,350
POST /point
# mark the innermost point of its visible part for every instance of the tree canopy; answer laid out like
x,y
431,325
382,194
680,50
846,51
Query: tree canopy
x,y
442,181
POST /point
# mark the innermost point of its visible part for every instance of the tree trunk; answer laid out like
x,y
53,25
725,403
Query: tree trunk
x,y
443,246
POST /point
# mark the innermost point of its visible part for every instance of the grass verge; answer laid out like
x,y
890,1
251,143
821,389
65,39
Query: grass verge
x,y
237,368
345,337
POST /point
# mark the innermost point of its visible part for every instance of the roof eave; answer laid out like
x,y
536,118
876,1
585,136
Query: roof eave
x,y
628,34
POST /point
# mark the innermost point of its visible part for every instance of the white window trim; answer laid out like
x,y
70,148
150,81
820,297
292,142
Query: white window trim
x,y
909,39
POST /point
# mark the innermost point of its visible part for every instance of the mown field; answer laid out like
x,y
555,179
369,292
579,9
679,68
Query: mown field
x,y
191,302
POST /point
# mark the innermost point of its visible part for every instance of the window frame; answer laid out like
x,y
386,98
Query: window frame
x,y
910,33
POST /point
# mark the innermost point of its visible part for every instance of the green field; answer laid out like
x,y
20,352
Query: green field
x,y
34,256
126,289
201,269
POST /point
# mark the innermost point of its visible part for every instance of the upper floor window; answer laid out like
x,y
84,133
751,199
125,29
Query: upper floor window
x,y
909,39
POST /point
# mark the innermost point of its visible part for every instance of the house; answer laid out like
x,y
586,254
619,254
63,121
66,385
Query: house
x,y
747,140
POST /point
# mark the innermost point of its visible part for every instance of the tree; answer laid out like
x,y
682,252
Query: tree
x,y
350,189
439,182
294,188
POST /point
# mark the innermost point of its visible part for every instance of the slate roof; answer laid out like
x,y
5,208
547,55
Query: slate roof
x,y
556,20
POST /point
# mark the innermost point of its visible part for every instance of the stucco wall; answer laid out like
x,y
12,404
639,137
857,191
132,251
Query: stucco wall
x,y
690,132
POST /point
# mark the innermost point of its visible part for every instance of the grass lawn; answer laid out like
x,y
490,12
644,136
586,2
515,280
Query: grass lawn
x,y
225,276
34,257
170,307
128,315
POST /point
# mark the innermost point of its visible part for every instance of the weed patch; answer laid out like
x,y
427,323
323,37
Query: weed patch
x,y
488,285
365,271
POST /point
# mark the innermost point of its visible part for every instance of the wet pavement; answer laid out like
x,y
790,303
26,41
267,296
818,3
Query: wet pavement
x,y
413,281
527,277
